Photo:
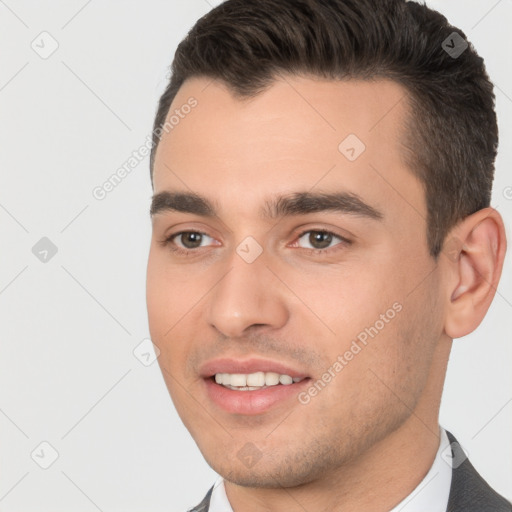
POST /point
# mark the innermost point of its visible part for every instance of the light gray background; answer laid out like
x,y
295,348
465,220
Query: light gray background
x,y
68,375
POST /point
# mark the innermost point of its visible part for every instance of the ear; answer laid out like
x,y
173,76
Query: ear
x,y
475,250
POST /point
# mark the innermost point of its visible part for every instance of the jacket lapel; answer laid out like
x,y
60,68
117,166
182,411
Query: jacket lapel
x,y
204,506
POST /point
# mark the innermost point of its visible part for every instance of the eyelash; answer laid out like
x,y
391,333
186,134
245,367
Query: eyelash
x,y
343,241
188,252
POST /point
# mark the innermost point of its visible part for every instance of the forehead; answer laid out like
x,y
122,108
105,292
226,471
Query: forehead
x,y
298,134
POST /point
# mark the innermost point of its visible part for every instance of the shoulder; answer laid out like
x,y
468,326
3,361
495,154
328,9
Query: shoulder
x,y
469,492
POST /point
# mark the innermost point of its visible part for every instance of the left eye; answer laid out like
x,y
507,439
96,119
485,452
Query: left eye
x,y
191,239
318,239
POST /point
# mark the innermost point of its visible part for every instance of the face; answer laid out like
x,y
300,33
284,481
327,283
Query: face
x,y
302,252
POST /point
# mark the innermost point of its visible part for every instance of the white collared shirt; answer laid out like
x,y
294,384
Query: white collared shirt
x,y
431,494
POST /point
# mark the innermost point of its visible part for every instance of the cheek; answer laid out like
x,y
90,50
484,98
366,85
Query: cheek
x,y
175,316
169,294
164,311
401,356
381,333
381,380
156,295
348,298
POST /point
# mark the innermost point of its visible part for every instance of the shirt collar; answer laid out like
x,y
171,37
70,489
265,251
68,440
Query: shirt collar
x,y
431,494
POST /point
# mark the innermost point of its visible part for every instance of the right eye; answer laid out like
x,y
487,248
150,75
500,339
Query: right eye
x,y
186,242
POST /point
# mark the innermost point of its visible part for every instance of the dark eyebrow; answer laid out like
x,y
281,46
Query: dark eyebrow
x,y
302,203
186,202
298,203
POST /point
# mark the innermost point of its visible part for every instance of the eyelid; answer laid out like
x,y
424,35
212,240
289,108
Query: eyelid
x,y
168,241
344,241
185,227
324,230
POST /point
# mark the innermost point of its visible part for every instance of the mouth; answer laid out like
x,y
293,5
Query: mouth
x,y
254,381
254,393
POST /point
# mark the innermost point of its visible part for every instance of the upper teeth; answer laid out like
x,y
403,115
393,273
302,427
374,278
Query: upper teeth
x,y
258,379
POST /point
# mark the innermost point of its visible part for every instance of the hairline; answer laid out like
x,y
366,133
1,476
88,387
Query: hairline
x,y
407,123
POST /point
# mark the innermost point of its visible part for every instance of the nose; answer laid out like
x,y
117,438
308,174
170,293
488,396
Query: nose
x,y
248,295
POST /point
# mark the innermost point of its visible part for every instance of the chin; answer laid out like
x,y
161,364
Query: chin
x,y
267,473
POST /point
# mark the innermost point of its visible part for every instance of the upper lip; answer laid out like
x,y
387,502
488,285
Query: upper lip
x,y
253,365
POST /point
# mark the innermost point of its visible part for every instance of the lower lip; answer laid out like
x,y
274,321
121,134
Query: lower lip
x,y
252,402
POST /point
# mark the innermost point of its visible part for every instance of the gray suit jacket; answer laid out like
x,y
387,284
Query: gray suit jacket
x,y
469,492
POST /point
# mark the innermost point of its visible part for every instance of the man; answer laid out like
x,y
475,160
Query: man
x,y
322,230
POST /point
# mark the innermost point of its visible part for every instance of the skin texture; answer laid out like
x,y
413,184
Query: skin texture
x,y
369,437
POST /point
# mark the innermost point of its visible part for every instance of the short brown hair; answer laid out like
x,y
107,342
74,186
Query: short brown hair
x,y
452,134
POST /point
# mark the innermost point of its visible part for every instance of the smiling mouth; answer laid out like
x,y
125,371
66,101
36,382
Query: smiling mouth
x,y
254,381
253,393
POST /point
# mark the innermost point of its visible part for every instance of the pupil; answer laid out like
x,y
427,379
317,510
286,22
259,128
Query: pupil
x,y
191,240
320,239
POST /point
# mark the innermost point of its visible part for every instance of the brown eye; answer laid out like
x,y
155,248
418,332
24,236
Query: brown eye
x,y
190,239
320,239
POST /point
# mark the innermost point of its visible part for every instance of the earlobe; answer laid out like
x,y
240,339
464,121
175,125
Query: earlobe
x,y
475,268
